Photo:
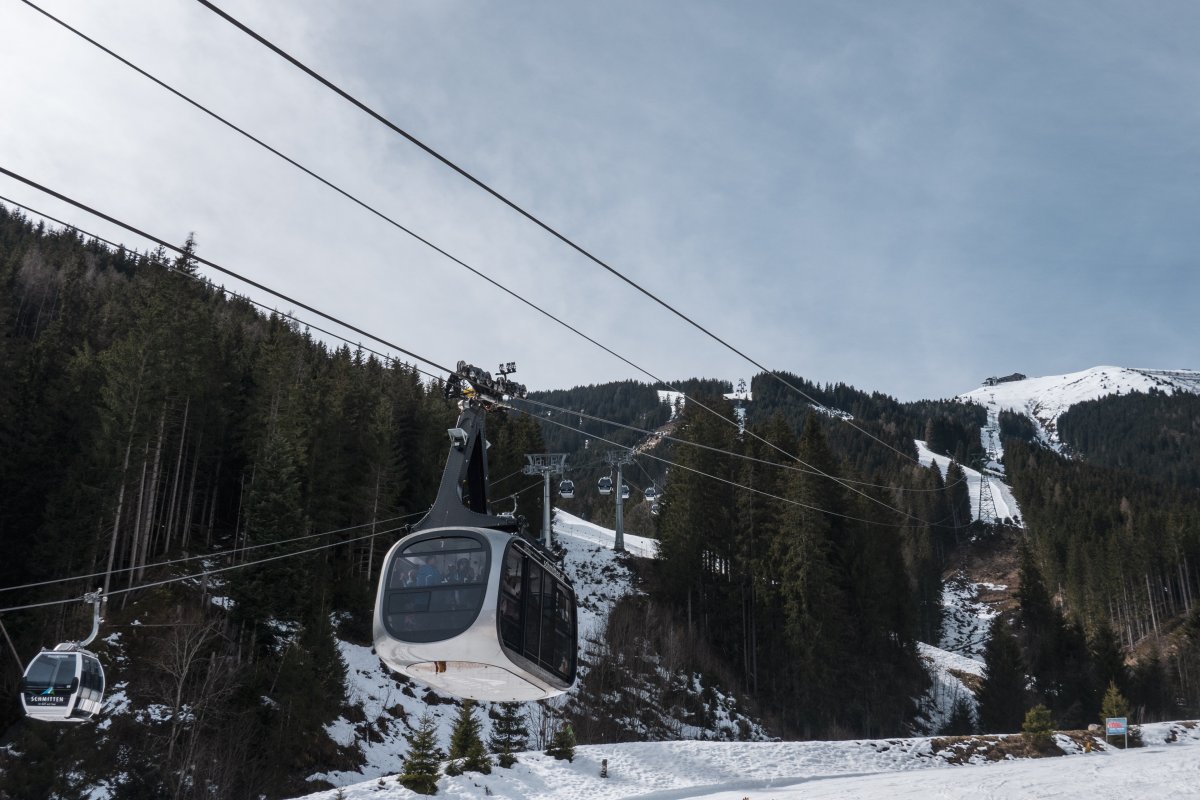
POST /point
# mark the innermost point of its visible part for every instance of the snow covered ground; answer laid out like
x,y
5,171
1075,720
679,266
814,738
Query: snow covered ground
x,y
1006,504
1047,398
1169,766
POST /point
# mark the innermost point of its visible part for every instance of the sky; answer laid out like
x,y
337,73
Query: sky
x,y
906,196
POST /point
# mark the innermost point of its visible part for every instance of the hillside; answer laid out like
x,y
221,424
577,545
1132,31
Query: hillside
x,y
1047,398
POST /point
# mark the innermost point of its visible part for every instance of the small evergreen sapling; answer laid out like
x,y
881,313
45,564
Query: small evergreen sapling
x,y
1038,728
420,768
509,734
562,744
467,753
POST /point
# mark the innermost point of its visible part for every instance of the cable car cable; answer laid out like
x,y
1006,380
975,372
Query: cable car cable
x,y
175,248
204,574
428,243
229,293
743,456
218,554
737,485
224,270
515,207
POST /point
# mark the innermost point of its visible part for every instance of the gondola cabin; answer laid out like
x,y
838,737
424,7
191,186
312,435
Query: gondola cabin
x,y
651,493
65,684
566,489
604,485
624,491
476,613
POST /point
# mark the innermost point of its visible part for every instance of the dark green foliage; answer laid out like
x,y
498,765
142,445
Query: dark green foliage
x,y
1017,426
467,753
1002,693
962,720
419,772
1038,727
509,734
144,416
798,592
562,743
1155,435
1114,704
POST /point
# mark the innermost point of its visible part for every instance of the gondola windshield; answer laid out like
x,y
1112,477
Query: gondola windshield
x,y
436,587
50,679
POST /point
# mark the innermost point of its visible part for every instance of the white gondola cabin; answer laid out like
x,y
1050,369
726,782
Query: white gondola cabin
x,y
464,604
566,489
604,485
477,613
65,684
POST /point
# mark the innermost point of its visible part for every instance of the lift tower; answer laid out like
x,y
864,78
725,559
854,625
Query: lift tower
x,y
545,464
618,458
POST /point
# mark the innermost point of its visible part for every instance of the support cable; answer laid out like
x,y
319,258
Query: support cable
x,y
205,573
219,554
388,344
175,248
515,207
737,485
427,242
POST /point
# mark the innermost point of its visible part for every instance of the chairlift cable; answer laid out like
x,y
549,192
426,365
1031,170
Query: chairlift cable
x,y
743,456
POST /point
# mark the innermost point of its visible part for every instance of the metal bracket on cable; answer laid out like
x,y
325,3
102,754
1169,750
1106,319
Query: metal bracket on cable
x,y
95,598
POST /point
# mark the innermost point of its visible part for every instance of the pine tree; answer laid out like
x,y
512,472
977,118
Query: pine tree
x,y
961,722
1002,694
1038,727
420,768
562,744
1114,703
467,753
509,734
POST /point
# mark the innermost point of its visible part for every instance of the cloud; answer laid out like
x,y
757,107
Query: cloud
x,y
897,197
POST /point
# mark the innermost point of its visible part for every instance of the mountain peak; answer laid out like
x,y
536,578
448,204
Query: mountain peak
x,y
1045,399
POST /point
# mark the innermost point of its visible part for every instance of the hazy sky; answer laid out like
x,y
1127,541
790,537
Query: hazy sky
x,y
904,196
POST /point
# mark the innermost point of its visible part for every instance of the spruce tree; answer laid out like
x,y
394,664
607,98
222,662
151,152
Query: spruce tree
x,y
961,722
467,752
1002,694
562,744
420,769
509,734
1038,727
1114,703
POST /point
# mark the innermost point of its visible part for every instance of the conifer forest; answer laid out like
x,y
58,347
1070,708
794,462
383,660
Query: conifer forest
x,y
155,425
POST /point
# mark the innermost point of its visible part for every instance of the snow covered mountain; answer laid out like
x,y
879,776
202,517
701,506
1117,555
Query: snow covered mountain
x,y
1047,398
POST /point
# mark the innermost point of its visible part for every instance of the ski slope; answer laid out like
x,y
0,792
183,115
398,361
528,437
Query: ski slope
x,y
1006,504
1047,398
908,769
